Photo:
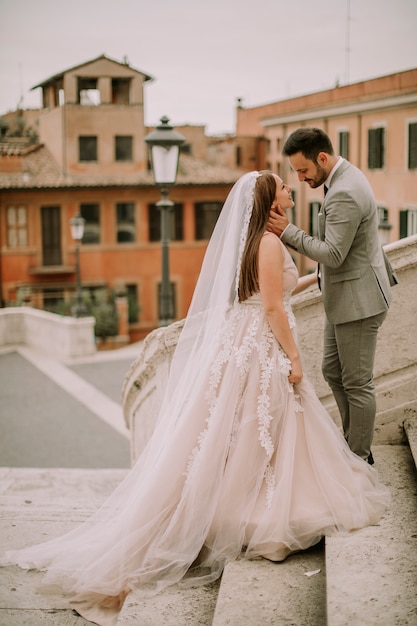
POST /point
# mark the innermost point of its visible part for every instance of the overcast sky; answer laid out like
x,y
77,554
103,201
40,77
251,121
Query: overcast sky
x,y
205,54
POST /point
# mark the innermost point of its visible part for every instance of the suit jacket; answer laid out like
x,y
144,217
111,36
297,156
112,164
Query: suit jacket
x,y
355,279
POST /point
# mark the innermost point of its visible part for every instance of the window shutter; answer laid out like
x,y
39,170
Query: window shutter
x,y
412,146
403,224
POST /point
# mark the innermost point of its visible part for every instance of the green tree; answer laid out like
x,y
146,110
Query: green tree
x,y
105,313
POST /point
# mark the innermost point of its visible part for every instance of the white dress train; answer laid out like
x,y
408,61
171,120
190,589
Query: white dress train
x,y
250,465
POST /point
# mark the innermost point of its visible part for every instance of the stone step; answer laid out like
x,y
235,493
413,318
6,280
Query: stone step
x,y
372,573
369,576
172,607
36,505
261,593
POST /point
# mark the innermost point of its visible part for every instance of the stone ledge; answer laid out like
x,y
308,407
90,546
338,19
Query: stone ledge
x,y
261,592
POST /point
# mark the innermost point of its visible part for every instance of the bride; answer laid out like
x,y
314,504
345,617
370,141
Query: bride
x,y
244,459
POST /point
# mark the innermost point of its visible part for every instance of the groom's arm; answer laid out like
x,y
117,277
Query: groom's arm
x,y
343,217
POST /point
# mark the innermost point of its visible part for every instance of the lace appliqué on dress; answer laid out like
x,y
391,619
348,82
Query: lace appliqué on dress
x,y
298,407
256,339
288,309
223,357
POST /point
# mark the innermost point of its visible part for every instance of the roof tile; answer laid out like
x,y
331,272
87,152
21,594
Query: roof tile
x,y
39,170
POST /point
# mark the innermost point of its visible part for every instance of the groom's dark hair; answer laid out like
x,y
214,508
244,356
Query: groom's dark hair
x,y
308,141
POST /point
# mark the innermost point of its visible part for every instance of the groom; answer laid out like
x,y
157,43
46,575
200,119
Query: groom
x,y
353,273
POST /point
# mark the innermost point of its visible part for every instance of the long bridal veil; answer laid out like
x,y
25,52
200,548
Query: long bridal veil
x,y
216,287
152,528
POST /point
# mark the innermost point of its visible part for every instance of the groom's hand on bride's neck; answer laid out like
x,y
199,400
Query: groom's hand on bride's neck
x,y
277,221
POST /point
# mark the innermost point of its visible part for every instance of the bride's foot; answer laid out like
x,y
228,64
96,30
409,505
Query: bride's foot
x,y
279,555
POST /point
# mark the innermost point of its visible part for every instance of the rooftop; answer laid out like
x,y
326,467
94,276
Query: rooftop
x,y
34,167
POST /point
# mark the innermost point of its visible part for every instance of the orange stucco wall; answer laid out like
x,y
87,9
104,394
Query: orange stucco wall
x,y
107,263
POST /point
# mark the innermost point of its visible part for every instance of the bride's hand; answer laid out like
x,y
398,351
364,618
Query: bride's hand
x,y
296,373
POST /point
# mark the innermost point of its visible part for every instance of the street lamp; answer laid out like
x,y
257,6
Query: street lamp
x,y
77,224
164,144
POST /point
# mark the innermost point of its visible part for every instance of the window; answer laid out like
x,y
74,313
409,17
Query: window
x,y
205,215
176,223
382,217
17,231
91,214
412,146
238,156
88,94
123,148
173,312
344,144
383,225
59,97
88,148
132,303
125,218
120,90
376,148
51,235
314,219
408,223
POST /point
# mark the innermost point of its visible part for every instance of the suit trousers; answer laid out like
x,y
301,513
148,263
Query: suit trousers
x,y
348,364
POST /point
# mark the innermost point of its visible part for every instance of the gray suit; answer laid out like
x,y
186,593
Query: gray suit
x,y
356,295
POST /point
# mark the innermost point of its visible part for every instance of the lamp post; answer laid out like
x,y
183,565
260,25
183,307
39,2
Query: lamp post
x,y
77,231
164,144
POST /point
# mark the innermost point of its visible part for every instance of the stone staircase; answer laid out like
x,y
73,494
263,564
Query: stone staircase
x,y
367,578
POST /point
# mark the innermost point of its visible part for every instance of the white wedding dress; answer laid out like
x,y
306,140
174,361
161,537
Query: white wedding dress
x,y
246,464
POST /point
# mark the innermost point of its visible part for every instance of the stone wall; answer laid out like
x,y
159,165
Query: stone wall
x,y
61,337
395,367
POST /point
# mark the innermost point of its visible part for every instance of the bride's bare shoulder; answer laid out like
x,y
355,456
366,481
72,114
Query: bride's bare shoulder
x,y
271,242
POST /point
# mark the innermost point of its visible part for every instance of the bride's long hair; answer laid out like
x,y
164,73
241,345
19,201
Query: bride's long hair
x,y
264,194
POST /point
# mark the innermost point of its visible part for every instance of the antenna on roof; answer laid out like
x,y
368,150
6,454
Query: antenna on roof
x,y
347,48
20,104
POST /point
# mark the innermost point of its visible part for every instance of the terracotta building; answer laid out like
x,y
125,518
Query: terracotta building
x,y
85,153
372,123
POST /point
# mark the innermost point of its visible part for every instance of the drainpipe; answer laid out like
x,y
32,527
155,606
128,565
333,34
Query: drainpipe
x,y
64,139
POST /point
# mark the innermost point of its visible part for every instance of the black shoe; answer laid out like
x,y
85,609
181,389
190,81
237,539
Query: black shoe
x,y
370,459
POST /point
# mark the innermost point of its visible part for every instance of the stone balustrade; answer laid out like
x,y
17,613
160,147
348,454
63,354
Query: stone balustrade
x,y
61,337
395,367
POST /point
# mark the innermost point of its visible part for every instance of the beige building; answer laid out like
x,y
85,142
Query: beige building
x,y
372,123
84,152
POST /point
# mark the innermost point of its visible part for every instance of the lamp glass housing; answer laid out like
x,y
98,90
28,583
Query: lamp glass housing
x,y
164,143
77,224
165,164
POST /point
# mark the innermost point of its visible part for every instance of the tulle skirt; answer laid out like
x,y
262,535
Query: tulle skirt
x,y
244,464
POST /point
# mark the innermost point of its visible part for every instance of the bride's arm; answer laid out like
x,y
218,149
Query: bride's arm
x,y
271,279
